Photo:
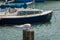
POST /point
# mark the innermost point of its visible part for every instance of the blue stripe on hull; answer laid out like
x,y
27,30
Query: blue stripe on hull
x,y
27,20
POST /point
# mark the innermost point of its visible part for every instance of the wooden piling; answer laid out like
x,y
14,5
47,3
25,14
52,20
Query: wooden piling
x,y
28,35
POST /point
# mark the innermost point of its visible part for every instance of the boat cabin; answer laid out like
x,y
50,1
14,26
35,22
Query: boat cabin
x,y
20,12
29,11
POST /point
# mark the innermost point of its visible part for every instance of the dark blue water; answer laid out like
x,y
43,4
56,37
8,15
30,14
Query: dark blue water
x,y
43,31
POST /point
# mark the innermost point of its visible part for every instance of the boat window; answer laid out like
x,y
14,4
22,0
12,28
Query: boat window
x,y
27,12
32,12
21,13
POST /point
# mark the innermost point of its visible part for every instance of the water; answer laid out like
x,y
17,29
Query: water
x,y
43,31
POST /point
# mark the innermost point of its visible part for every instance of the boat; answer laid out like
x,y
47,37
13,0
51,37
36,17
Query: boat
x,y
23,15
16,15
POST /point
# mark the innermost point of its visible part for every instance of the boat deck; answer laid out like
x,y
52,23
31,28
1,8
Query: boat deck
x,y
14,15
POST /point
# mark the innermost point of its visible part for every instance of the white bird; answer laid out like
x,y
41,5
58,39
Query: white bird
x,y
25,26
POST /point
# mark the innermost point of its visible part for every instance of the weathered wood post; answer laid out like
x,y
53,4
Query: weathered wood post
x,y
28,34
